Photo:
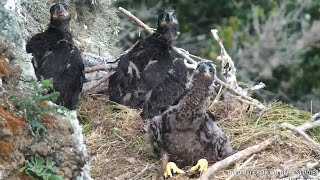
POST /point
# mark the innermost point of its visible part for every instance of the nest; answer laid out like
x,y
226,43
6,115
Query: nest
x,y
117,142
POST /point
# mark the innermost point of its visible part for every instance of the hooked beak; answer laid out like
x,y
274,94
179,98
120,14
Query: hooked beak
x,y
170,16
60,11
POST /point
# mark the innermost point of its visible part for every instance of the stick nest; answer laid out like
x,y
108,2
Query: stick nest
x,y
118,144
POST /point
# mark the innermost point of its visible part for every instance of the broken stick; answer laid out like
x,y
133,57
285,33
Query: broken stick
x,y
101,67
97,83
309,125
303,134
236,157
240,167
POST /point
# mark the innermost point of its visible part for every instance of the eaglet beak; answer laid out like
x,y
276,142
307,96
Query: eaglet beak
x,y
170,16
60,11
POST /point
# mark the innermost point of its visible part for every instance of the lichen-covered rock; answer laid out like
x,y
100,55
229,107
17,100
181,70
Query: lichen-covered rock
x,y
95,29
9,23
17,144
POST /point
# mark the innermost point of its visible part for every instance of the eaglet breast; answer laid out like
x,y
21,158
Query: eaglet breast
x,y
184,148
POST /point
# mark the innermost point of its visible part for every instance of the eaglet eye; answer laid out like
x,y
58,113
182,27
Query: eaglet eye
x,y
65,6
210,69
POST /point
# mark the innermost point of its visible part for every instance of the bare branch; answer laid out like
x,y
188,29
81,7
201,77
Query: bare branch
x,y
250,100
309,125
101,67
136,20
229,73
97,83
138,176
316,117
90,59
236,157
193,56
240,167
228,68
303,134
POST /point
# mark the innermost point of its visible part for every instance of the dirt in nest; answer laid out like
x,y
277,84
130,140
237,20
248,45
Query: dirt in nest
x,y
17,144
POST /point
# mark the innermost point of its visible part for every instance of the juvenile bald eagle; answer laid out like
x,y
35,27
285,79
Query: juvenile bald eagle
x,y
166,93
146,65
56,56
186,131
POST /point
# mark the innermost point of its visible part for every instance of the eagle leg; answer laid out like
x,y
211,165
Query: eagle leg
x,y
200,167
172,167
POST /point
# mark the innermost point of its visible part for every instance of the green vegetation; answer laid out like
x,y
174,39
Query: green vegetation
x,y
30,107
277,113
41,168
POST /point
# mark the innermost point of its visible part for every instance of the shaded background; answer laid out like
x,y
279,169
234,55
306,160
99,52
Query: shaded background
x,y
276,42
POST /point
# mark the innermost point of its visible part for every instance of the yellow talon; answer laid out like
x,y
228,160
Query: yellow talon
x,y
171,166
201,166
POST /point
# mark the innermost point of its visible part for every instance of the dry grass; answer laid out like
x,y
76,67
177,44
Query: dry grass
x,y
117,141
246,128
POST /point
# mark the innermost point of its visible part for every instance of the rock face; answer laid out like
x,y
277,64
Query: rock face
x,y
62,142
17,144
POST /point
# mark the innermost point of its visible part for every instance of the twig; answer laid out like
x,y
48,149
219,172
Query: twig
x,y
240,167
96,84
309,125
245,101
236,157
250,100
136,20
194,56
150,31
184,55
142,171
219,94
303,134
100,90
90,59
104,67
316,117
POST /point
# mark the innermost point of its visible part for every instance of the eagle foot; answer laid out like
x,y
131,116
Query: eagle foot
x,y
172,168
200,167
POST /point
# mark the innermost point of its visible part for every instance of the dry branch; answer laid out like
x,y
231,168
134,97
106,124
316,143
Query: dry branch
x,y
193,56
244,98
136,20
138,176
240,167
316,117
97,83
303,134
309,125
229,73
91,60
228,68
236,157
101,67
